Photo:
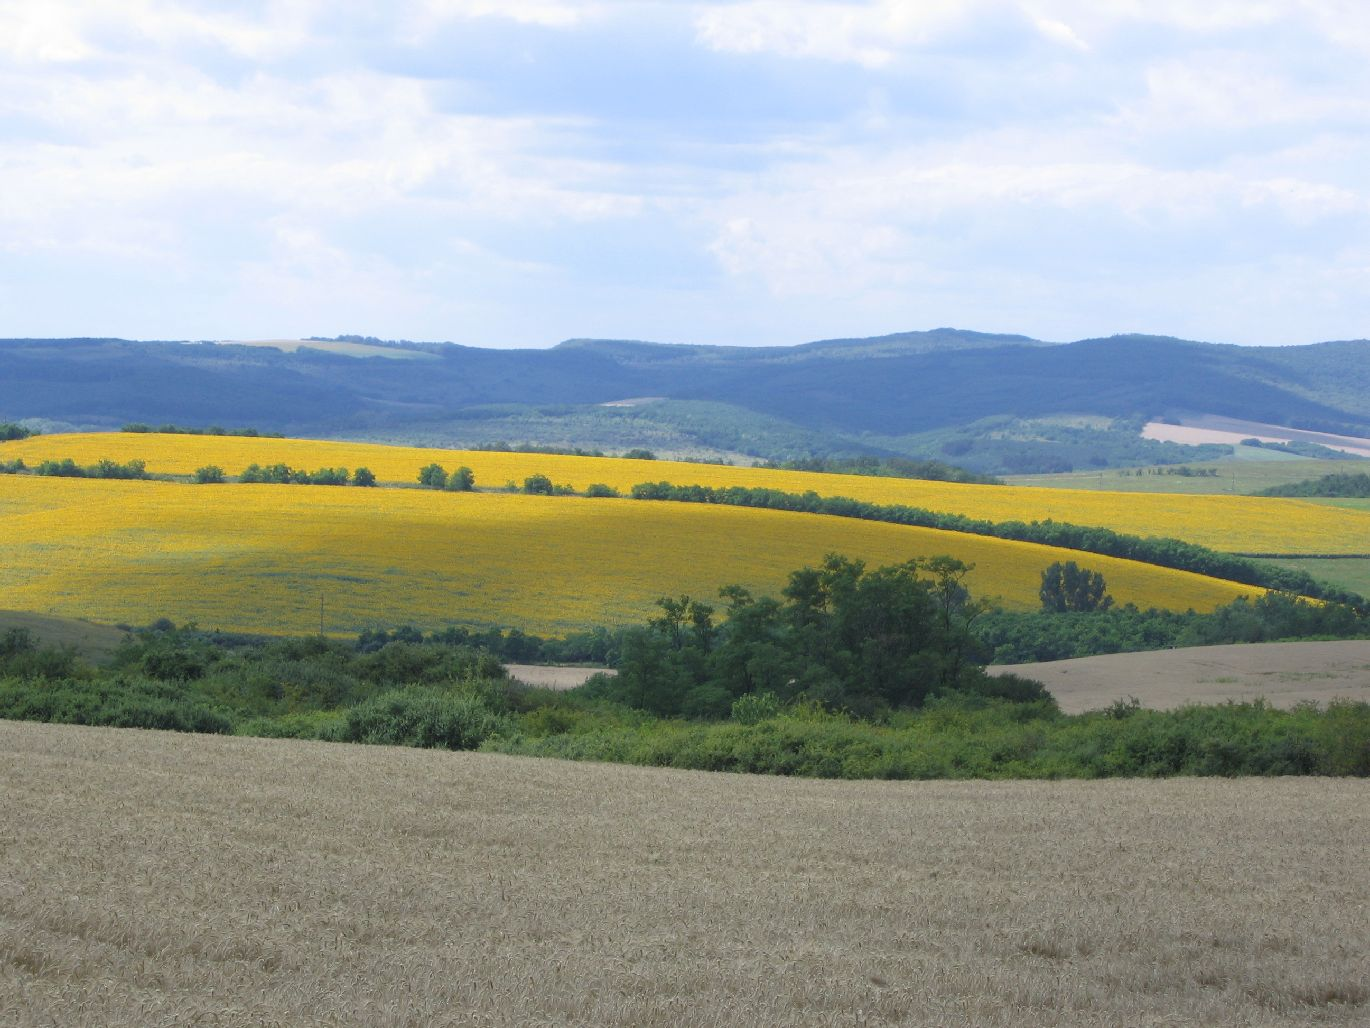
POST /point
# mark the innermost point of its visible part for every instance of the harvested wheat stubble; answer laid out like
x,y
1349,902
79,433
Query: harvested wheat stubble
x,y
1283,674
148,878
550,676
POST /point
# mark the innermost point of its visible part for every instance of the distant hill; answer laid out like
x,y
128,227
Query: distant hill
x,y
996,403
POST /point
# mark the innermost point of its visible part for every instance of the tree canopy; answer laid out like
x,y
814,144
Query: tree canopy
x,y
840,634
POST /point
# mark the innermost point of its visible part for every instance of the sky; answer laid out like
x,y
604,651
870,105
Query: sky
x,y
516,172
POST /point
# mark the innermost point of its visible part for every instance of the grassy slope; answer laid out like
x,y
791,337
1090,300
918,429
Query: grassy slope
x,y
1347,572
152,879
259,558
1234,477
1243,524
94,642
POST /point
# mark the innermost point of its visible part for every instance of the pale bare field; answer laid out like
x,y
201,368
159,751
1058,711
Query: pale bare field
x,y
149,878
1214,429
338,347
1284,674
550,676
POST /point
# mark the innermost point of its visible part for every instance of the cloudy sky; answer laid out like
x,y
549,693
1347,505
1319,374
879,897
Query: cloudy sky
x,y
516,172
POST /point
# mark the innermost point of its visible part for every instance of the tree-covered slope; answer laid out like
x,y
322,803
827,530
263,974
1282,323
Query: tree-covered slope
x,y
830,397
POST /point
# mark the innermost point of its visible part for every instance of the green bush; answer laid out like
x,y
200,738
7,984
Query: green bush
x,y
319,724
210,474
121,703
755,707
430,718
434,476
463,480
537,485
965,736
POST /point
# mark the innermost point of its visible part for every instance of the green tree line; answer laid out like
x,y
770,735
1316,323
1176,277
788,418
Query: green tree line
x,y
1169,553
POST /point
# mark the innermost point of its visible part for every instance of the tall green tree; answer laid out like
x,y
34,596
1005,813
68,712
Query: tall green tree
x,y
1069,587
434,476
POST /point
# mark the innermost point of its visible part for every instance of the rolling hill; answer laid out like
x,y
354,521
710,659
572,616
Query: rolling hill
x,y
996,403
1228,523
283,558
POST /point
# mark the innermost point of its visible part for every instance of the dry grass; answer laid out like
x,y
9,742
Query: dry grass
x,y
158,879
1284,674
1238,523
1241,477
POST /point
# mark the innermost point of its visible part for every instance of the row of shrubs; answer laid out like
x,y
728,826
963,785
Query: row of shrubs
x,y
138,427
435,476
68,468
433,694
283,474
956,738
969,738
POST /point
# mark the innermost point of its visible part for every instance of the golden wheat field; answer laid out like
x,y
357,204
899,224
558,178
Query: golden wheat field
x,y
1233,523
260,557
154,879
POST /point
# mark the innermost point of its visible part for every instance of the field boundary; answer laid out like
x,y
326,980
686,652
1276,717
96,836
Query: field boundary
x,y
1175,554
1303,556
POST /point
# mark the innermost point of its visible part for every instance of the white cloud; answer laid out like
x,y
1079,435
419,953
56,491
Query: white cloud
x,y
553,13
1025,148
867,34
41,32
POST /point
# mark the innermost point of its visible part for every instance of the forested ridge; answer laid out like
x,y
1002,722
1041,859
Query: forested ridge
x,y
894,396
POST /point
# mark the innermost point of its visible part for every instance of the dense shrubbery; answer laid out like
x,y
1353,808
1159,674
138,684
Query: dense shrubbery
x,y
970,738
426,717
843,636
68,468
9,430
283,474
1015,638
428,693
116,701
435,476
188,680
1167,553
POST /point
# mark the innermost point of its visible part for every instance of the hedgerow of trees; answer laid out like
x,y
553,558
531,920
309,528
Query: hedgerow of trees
x,y
1169,553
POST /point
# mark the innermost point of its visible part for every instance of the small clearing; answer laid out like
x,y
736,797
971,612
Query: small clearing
x,y
549,676
1209,428
633,401
340,347
1284,674
94,642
